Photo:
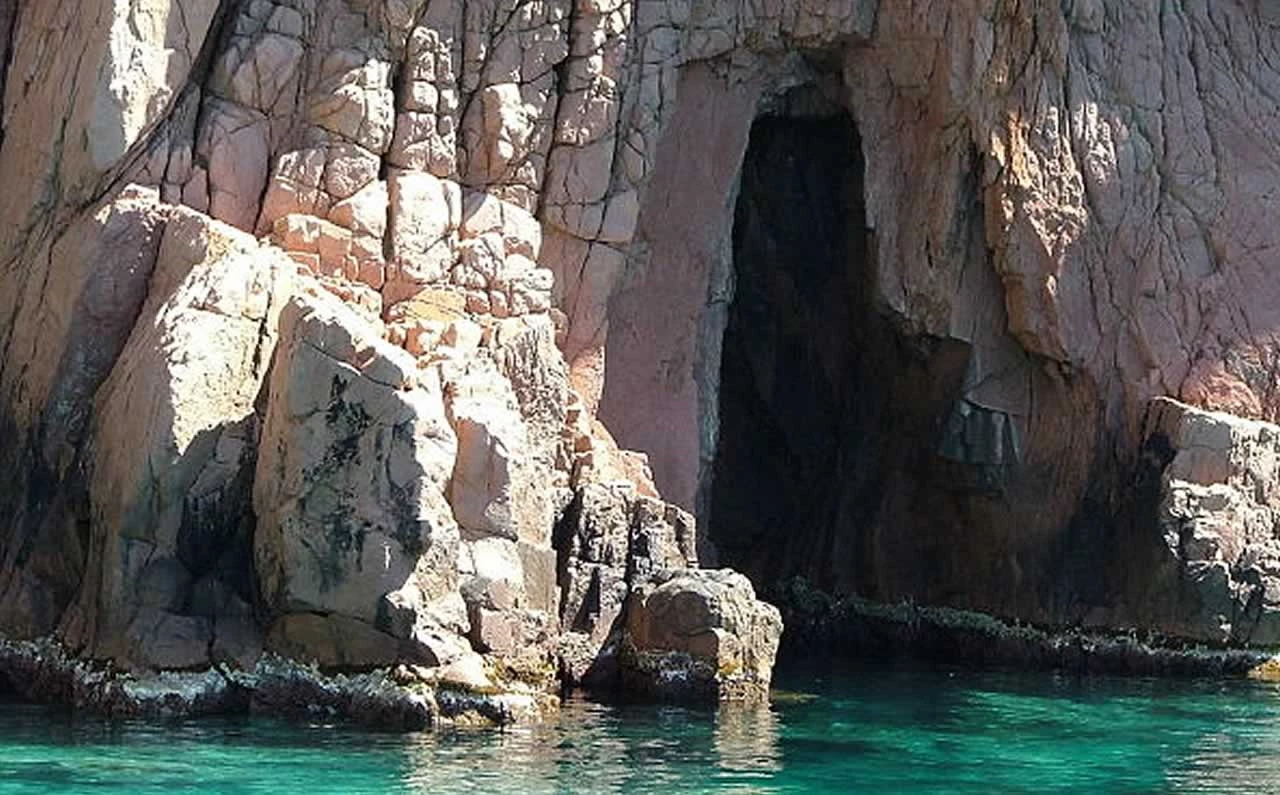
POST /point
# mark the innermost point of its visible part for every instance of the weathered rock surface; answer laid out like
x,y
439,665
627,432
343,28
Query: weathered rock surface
x,y
376,331
402,700
350,490
1219,515
861,630
174,433
609,541
1023,315
700,634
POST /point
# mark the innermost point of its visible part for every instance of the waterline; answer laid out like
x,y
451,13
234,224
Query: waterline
x,y
889,730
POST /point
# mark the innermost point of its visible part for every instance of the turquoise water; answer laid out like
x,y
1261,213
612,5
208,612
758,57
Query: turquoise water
x,y
873,730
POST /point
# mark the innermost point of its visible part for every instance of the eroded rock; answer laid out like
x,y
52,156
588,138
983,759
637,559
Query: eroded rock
x,y
514,235
609,541
174,441
1219,515
699,634
350,490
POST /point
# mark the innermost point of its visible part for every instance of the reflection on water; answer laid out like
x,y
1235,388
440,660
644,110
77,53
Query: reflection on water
x,y
596,748
886,730
1237,756
746,739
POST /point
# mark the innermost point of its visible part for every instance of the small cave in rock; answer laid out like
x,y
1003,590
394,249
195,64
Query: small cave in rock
x,y
830,417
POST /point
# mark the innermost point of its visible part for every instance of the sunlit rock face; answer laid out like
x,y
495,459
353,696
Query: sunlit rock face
x,y
393,331
700,635
1217,508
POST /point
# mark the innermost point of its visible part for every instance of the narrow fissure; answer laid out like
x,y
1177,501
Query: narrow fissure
x,y
8,26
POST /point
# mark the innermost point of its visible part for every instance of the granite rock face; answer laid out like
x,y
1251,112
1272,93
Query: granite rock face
x,y
373,331
354,461
174,429
1219,513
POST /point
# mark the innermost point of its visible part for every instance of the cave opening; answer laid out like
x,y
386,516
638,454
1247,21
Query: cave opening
x,y
829,415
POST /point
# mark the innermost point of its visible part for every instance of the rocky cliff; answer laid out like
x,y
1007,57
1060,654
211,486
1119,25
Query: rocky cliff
x,y
327,326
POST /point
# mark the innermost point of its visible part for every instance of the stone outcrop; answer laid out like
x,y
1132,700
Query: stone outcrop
x,y
403,699
174,432
611,540
860,630
395,332
355,459
1219,514
1012,317
700,634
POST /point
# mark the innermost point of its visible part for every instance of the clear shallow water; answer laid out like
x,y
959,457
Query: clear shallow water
x,y
873,730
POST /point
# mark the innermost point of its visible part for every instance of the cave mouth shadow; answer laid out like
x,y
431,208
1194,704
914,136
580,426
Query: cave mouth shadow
x,y
829,413
798,273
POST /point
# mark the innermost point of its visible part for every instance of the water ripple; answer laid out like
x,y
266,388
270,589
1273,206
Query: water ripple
x,y
865,731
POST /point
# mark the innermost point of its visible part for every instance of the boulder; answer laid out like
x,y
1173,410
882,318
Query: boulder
x,y
500,497
699,635
610,540
174,438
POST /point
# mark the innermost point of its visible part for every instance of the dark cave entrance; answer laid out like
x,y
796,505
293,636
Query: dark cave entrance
x,y
829,416
796,252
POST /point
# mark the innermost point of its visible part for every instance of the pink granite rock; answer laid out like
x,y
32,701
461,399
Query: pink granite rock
x,y
520,236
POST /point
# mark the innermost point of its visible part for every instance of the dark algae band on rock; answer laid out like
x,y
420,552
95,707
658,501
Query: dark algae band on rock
x,y
718,648
404,699
854,629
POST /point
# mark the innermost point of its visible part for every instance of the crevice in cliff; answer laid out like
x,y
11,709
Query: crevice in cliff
x,y
158,136
8,27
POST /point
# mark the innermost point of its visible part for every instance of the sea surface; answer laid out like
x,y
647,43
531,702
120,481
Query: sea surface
x,y
878,730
